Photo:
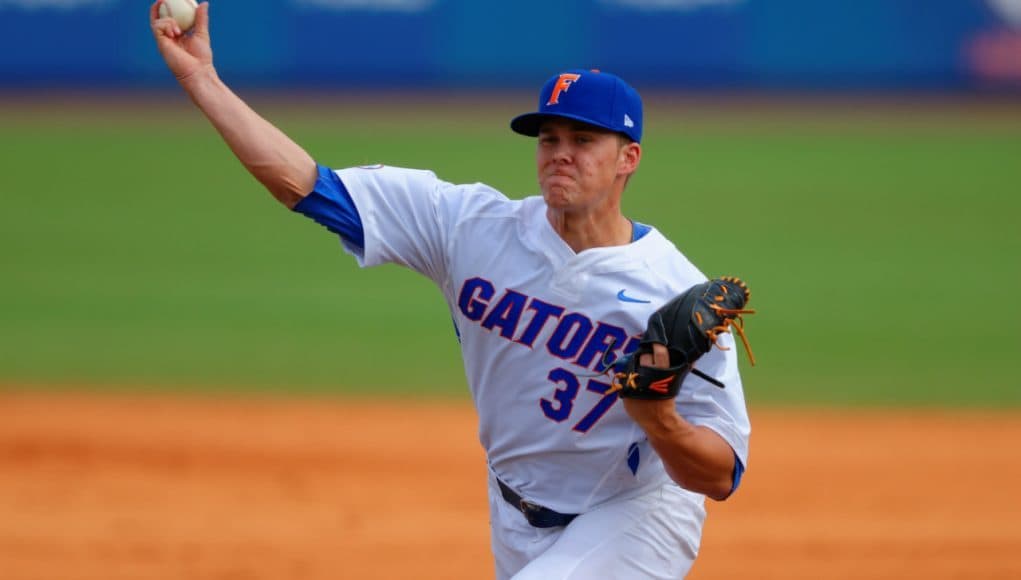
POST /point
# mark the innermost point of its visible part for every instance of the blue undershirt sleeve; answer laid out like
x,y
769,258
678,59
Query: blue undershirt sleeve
x,y
330,205
738,472
639,230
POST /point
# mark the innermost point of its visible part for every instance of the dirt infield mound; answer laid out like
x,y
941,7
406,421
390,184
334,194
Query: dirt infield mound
x,y
110,487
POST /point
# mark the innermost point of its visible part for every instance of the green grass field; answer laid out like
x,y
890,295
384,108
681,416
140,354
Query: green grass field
x,y
881,244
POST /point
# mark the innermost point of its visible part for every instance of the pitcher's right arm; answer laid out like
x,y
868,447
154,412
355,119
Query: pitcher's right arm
x,y
273,158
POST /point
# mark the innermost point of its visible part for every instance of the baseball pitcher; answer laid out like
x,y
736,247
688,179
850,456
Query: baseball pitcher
x,y
600,360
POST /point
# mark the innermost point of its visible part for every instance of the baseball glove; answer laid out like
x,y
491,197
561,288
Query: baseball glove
x,y
689,326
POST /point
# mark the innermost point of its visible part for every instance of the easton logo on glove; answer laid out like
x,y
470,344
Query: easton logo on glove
x,y
689,325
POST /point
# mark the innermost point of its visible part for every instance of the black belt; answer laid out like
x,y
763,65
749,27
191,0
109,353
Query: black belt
x,y
538,516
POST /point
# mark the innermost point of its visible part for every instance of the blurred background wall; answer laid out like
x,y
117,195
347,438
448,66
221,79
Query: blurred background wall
x,y
947,45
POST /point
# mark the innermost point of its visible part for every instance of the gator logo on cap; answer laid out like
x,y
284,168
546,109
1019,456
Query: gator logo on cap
x,y
563,83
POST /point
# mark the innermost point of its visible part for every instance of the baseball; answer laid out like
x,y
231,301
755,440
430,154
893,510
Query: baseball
x,y
182,11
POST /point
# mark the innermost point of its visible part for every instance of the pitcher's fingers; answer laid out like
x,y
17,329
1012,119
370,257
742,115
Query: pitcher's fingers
x,y
154,11
166,27
660,356
202,21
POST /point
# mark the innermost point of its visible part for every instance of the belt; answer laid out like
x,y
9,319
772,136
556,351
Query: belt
x,y
538,516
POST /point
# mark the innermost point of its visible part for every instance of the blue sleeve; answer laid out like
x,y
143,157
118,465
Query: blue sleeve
x,y
639,230
330,205
738,472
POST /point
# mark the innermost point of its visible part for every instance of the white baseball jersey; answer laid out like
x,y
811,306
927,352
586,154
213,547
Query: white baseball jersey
x,y
534,320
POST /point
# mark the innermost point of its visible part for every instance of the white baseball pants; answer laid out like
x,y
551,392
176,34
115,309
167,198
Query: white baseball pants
x,y
655,535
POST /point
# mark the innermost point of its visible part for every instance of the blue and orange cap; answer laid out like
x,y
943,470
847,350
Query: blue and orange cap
x,y
589,96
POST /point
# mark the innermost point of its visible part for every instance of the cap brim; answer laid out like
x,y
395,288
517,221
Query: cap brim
x,y
529,123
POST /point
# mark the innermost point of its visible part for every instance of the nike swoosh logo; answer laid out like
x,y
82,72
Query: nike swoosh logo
x,y
623,298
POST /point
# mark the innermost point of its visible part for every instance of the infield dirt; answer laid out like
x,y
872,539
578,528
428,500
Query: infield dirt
x,y
157,486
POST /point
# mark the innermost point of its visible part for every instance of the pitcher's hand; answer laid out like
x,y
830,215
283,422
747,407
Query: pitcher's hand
x,y
185,53
648,413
